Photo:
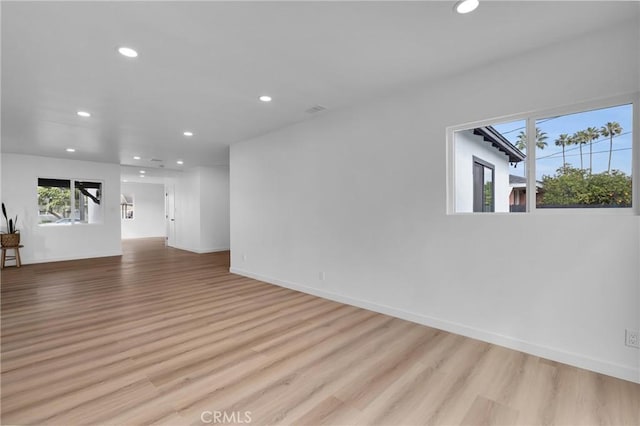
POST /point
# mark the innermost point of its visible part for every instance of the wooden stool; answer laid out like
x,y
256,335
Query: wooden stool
x,y
16,257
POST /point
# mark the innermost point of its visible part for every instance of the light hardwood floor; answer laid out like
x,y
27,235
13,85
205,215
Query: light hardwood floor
x,y
162,335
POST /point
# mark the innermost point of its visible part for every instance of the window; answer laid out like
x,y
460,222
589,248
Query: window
x,y
586,161
126,206
578,158
54,200
69,201
483,187
489,168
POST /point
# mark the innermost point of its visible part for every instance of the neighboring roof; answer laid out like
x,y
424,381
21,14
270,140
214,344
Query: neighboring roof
x,y
496,139
517,179
521,182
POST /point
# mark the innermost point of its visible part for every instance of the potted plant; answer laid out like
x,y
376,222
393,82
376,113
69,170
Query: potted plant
x,y
12,237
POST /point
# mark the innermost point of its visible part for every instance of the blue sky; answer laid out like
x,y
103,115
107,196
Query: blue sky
x,y
550,158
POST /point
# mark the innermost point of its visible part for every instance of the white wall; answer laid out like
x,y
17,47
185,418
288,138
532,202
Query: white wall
x,y
468,145
148,203
202,209
360,194
187,210
20,175
214,208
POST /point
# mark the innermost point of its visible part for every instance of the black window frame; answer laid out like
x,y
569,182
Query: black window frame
x,y
77,195
481,197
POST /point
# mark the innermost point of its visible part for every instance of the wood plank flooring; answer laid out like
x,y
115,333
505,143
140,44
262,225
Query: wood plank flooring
x,y
161,336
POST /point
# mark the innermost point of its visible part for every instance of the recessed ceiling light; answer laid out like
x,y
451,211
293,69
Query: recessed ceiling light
x,y
141,175
128,52
136,157
188,133
142,172
265,98
71,150
83,114
180,162
125,181
466,6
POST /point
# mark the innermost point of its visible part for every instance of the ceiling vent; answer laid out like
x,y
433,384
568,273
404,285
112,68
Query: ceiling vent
x,y
157,160
315,109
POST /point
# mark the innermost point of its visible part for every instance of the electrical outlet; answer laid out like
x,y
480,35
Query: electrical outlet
x,y
632,338
321,276
244,257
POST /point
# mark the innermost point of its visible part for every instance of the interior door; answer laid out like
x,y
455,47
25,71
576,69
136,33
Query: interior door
x,y
170,214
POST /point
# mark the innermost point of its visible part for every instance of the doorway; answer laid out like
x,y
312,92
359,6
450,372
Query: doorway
x,y
170,214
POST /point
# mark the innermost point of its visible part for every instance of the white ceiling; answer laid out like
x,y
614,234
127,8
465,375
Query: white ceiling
x,y
202,66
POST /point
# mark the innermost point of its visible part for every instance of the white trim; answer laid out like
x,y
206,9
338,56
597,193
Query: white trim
x,y
214,250
200,251
175,246
451,171
522,185
635,151
54,225
149,237
597,103
531,117
67,258
555,354
532,192
601,103
605,211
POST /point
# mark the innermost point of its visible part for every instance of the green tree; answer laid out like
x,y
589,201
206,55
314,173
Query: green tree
x,y
577,187
488,196
591,134
541,138
563,140
610,130
564,188
54,200
579,138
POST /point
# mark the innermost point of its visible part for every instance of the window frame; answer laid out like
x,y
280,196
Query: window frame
x,y
530,118
125,210
486,165
72,199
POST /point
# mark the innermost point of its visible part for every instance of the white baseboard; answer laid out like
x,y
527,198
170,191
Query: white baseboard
x,y
144,237
66,258
201,251
555,354
213,250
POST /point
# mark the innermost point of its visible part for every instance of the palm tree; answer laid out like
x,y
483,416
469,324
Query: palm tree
x,y
591,134
521,143
610,130
579,138
563,140
541,138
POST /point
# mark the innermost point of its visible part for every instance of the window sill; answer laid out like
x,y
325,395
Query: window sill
x,y
623,211
58,225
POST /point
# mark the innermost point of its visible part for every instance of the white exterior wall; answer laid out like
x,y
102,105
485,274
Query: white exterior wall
x,y
360,195
148,204
94,211
20,175
468,145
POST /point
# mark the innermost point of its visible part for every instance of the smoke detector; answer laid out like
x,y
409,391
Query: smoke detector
x,y
315,109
